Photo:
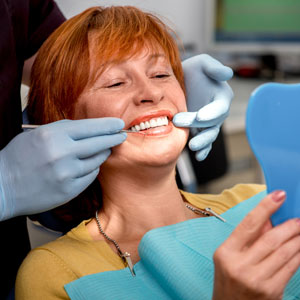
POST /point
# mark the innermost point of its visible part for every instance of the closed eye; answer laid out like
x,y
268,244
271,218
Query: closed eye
x,y
161,76
115,84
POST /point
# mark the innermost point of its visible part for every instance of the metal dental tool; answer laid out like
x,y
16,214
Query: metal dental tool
x,y
31,126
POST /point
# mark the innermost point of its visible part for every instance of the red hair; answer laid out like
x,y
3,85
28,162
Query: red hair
x,y
62,70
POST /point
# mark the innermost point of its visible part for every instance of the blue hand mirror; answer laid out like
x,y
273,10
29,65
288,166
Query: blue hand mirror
x,y
273,130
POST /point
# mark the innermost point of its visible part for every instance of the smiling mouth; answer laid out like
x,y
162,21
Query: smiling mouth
x,y
152,123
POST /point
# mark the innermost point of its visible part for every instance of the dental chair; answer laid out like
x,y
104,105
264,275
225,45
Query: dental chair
x,y
192,173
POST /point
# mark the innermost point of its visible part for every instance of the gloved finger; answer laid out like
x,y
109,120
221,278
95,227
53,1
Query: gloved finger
x,y
202,154
81,183
87,165
216,70
219,107
85,128
204,138
214,112
184,119
189,119
90,146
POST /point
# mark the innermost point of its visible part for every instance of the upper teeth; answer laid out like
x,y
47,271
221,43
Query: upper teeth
x,y
155,122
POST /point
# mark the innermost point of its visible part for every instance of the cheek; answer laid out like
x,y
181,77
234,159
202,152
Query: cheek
x,y
96,107
179,99
182,106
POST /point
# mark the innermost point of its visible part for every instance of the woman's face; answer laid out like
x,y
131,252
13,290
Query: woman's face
x,y
145,94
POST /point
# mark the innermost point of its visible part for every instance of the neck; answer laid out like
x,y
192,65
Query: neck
x,y
133,200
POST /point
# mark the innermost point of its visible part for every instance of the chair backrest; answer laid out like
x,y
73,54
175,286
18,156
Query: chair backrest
x,y
192,173
39,234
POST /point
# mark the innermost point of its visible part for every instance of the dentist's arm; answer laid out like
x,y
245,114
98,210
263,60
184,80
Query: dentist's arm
x,y
48,166
208,100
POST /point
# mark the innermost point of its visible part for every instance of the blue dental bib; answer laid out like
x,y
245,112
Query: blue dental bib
x,y
176,263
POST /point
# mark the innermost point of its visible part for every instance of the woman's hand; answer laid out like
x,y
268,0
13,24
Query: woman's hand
x,y
257,261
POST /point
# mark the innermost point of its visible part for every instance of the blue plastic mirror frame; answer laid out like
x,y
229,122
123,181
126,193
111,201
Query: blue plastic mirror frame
x,y
273,131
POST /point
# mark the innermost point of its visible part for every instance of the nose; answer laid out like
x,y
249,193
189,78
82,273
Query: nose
x,y
148,91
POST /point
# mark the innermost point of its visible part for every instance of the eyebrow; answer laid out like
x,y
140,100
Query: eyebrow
x,y
157,55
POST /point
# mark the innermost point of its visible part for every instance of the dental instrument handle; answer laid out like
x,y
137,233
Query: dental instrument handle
x,y
31,126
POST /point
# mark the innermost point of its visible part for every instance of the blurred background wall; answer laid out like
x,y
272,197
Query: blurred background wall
x,y
185,16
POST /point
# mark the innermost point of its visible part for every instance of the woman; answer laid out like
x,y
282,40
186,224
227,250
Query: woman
x,y
121,62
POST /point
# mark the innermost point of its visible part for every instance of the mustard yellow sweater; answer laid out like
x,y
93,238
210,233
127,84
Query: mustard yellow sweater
x,y
48,268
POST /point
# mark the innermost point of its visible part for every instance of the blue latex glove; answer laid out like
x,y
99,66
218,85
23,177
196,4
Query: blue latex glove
x,y
48,166
208,101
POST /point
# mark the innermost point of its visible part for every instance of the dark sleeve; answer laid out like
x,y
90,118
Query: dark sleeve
x,y
25,25
44,18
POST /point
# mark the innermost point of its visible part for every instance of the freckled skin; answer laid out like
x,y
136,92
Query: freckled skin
x,y
132,89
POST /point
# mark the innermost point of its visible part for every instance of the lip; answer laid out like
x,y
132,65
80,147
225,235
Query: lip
x,y
156,131
151,115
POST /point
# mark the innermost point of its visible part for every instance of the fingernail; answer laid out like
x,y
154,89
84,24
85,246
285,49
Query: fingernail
x,y
298,221
278,196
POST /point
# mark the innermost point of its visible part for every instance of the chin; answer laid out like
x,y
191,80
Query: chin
x,y
152,152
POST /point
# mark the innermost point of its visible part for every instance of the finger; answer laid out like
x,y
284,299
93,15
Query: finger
x,y
202,154
209,66
88,165
81,183
281,278
251,226
268,226
184,119
279,258
216,70
274,239
91,146
215,111
204,138
188,119
82,129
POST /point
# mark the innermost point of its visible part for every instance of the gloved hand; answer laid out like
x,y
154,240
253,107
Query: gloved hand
x,y
208,101
48,166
